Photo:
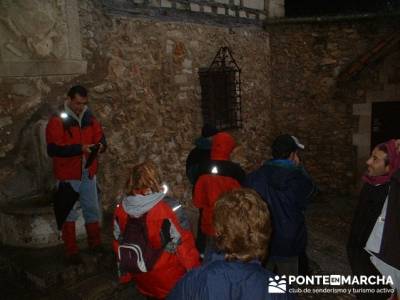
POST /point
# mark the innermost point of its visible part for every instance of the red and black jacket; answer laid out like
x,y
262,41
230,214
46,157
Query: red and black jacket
x,y
219,175
170,267
65,137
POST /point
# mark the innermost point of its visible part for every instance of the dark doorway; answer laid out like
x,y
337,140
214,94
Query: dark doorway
x,y
385,124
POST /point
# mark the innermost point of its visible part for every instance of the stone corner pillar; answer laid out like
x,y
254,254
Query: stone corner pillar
x,y
275,8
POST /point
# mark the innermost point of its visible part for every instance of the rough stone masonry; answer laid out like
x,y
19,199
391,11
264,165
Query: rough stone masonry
x,y
144,88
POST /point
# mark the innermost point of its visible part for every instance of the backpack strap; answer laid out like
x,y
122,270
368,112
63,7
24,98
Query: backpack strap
x,y
139,261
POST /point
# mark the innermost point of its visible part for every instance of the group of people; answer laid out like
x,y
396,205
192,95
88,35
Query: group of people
x,y
250,226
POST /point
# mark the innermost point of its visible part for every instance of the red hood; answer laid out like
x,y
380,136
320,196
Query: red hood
x,y
222,146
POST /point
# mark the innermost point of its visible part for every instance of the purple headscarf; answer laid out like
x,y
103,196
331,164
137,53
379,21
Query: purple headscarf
x,y
394,164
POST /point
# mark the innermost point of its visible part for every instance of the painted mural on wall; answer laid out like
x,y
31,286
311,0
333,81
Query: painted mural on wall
x,y
20,40
36,36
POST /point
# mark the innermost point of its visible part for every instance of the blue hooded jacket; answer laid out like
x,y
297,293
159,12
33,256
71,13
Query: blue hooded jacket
x,y
287,189
226,280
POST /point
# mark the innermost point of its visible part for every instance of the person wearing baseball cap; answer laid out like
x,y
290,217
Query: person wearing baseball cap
x,y
287,146
283,183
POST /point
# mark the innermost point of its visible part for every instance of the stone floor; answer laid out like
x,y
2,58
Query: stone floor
x,y
41,274
328,220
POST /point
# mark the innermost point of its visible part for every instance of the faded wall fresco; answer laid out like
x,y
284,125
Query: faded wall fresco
x,y
39,38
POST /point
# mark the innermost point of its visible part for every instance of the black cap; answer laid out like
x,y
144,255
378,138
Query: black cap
x,y
285,144
208,130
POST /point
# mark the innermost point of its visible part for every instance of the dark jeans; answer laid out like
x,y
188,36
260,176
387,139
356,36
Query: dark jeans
x,y
204,243
201,237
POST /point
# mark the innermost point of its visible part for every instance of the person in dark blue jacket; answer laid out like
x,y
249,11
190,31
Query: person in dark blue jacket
x,y
286,187
200,155
243,229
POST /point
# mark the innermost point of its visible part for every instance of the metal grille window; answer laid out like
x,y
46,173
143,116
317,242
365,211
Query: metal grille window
x,y
221,92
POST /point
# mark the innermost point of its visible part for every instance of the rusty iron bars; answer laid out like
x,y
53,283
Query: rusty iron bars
x,y
221,92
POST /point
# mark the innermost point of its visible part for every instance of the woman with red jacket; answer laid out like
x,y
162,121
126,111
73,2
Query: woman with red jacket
x,y
167,230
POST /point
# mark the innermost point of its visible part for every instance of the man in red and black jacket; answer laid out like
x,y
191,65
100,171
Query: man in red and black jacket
x,y
217,176
74,136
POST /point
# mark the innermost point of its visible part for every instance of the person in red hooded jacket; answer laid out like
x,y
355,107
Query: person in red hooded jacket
x,y
219,175
146,199
72,134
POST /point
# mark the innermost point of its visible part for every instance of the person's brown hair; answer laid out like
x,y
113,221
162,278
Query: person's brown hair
x,y
144,176
383,148
243,225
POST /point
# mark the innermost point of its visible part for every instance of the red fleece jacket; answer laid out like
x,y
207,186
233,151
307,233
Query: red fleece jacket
x,y
209,187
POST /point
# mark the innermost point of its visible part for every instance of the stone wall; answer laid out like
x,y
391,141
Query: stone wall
x,y
144,88
307,57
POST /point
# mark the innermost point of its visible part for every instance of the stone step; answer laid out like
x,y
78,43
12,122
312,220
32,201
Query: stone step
x,y
46,268
42,274
98,287
30,223
27,273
